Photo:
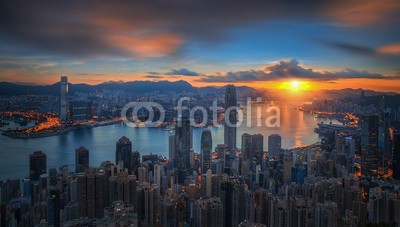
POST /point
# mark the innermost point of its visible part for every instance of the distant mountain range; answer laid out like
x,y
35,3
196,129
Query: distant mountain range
x,y
142,87
138,87
9,89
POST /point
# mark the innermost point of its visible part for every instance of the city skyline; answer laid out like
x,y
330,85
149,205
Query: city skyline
x,y
347,176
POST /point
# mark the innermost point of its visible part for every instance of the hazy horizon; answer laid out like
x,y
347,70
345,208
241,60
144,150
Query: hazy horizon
x,y
276,89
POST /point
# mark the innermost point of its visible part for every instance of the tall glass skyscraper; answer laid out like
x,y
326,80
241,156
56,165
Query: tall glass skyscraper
x,y
124,153
230,118
247,153
182,147
206,147
274,145
63,114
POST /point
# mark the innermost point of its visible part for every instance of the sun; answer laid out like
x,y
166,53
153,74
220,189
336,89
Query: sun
x,y
295,85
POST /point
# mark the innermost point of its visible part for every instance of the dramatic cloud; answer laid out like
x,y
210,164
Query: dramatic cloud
x,y
148,29
350,47
147,47
362,13
182,72
289,70
389,53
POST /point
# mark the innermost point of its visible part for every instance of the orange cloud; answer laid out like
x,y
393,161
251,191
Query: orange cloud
x,y
362,12
392,49
147,46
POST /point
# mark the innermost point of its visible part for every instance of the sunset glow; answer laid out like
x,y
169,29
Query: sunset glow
x,y
295,85
99,44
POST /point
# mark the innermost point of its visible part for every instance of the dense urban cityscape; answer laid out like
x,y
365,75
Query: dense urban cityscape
x,y
350,178
200,113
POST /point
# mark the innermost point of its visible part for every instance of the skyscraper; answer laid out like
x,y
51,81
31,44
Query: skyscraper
x,y
231,189
124,153
384,131
257,141
53,207
158,170
143,174
135,162
206,146
171,149
371,157
81,159
182,147
151,205
247,153
209,183
91,185
252,146
274,145
326,214
396,156
37,165
209,212
53,176
221,150
287,167
79,111
63,114
201,212
122,187
230,118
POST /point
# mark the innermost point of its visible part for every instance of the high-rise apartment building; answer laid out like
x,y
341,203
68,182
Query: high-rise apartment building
x,y
90,191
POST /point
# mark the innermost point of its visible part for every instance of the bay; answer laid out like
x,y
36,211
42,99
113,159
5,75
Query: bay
x,y
296,129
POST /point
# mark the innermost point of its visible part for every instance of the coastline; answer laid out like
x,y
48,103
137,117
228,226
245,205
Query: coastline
x,y
21,134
